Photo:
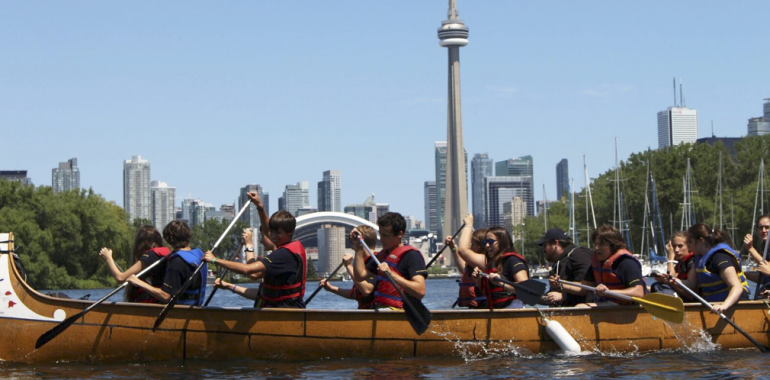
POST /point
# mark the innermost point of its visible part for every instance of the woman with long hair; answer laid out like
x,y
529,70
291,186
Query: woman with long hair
x,y
500,260
148,248
717,274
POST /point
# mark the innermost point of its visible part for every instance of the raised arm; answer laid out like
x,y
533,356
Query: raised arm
x,y
119,276
468,257
264,221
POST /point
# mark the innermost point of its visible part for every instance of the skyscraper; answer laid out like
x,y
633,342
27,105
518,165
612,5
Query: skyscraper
x,y
431,208
163,211
251,216
331,247
759,126
677,125
330,192
194,211
440,152
502,189
562,178
513,214
66,177
453,34
519,167
136,188
16,175
296,196
481,166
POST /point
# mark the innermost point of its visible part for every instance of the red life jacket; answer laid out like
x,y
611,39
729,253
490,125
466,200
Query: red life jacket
x,y
154,278
603,274
467,297
499,297
683,267
365,301
385,291
274,292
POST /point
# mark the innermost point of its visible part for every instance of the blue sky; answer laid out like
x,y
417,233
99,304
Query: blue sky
x,y
218,95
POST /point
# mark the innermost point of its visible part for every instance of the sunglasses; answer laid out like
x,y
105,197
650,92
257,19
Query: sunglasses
x,y
489,241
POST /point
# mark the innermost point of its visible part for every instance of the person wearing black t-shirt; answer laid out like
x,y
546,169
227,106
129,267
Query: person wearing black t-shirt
x,y
283,271
405,264
613,268
569,262
179,268
717,273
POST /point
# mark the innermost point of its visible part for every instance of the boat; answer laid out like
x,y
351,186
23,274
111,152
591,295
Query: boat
x,y
118,332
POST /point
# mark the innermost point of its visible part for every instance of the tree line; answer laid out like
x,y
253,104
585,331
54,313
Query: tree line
x,y
740,168
58,236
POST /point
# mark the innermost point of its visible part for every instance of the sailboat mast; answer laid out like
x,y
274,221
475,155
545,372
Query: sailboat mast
x,y
590,198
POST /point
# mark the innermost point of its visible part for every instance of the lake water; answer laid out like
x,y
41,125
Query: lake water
x,y
701,360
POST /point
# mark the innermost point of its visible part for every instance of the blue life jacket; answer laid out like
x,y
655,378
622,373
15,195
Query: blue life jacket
x,y
191,296
711,285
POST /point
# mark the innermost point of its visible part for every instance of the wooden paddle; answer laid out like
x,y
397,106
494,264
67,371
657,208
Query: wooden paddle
x,y
196,273
721,315
663,306
416,313
223,274
443,248
63,325
529,292
319,288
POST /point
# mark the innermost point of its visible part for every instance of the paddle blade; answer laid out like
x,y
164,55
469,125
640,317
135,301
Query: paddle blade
x,y
56,330
417,314
663,306
530,292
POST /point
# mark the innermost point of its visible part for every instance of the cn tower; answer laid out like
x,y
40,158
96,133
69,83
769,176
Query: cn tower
x,y
453,34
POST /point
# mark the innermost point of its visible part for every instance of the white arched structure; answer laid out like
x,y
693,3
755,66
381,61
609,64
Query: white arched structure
x,y
333,217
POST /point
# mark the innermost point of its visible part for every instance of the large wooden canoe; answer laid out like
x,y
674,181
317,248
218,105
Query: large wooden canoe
x,y
122,331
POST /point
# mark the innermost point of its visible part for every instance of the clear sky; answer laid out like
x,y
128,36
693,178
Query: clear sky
x,y
217,95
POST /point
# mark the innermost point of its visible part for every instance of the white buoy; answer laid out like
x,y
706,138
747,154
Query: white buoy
x,y
559,334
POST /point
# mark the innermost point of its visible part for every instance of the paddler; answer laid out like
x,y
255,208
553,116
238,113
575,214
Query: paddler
x,y
717,273
613,268
680,261
569,262
405,264
362,291
470,243
182,265
283,271
500,260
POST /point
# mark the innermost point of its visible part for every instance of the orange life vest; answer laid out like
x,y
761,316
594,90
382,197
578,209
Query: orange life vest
x,y
603,274
467,296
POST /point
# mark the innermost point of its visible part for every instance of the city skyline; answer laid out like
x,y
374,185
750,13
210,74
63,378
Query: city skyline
x,y
77,70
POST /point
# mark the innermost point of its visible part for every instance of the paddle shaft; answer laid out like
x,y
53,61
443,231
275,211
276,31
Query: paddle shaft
x,y
761,278
318,289
721,315
444,247
229,258
406,301
618,295
197,271
58,329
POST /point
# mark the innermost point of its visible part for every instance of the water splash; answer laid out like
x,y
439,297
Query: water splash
x,y
692,338
479,350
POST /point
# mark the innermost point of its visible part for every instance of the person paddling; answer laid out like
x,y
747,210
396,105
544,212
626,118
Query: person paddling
x,y
181,266
471,243
680,261
362,291
613,267
569,262
755,248
717,273
403,262
148,248
500,261
284,271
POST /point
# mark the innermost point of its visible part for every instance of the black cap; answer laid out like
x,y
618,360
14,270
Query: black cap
x,y
553,234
